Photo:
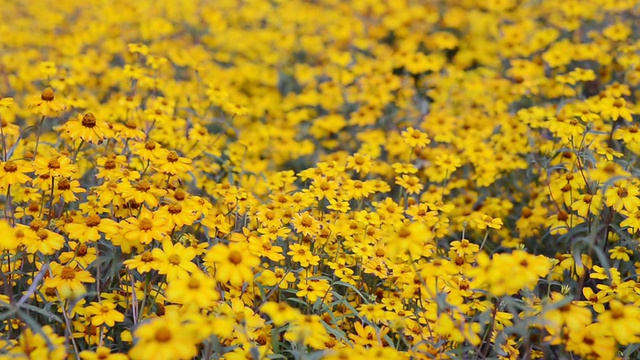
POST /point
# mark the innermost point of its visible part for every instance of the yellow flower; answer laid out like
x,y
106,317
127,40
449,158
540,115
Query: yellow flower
x,y
361,163
305,224
69,280
103,313
145,229
164,338
173,164
174,260
231,264
620,253
277,277
314,289
464,247
484,221
46,104
301,254
280,313
196,289
623,196
141,192
80,254
39,239
57,165
14,172
621,322
614,109
9,241
143,263
632,222
67,190
101,353
89,228
415,138
87,128
410,183
596,300
43,344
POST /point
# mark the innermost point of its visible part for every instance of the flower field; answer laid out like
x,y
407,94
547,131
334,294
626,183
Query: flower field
x,y
326,179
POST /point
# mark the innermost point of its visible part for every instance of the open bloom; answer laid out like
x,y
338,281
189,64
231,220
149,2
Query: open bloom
x,y
46,104
88,128
14,172
232,264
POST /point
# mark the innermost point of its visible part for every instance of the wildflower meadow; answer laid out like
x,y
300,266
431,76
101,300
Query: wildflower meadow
x,y
319,179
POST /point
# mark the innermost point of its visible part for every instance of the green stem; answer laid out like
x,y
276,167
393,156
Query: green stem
x,y
39,131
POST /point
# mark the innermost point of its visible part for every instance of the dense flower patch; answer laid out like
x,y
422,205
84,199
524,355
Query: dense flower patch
x,y
319,179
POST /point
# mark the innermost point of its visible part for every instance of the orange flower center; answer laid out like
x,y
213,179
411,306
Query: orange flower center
x,y
54,164
194,284
42,234
146,257
174,259
163,335
9,166
89,120
82,250
33,207
150,145
64,184
173,157
623,193
47,94
563,216
235,257
306,221
93,220
180,195
131,125
175,208
143,186
145,225
68,274
37,225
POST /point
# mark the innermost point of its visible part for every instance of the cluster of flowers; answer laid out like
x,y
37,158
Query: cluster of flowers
x,y
301,179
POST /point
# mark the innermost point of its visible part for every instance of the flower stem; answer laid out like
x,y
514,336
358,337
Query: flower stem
x,y
39,131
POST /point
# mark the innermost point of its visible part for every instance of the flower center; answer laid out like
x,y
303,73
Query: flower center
x,y
146,225
307,221
42,234
194,284
174,259
64,185
163,335
143,186
89,120
82,250
37,225
33,206
93,220
235,257
68,274
175,208
47,94
54,164
9,166
623,193
180,195
172,157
